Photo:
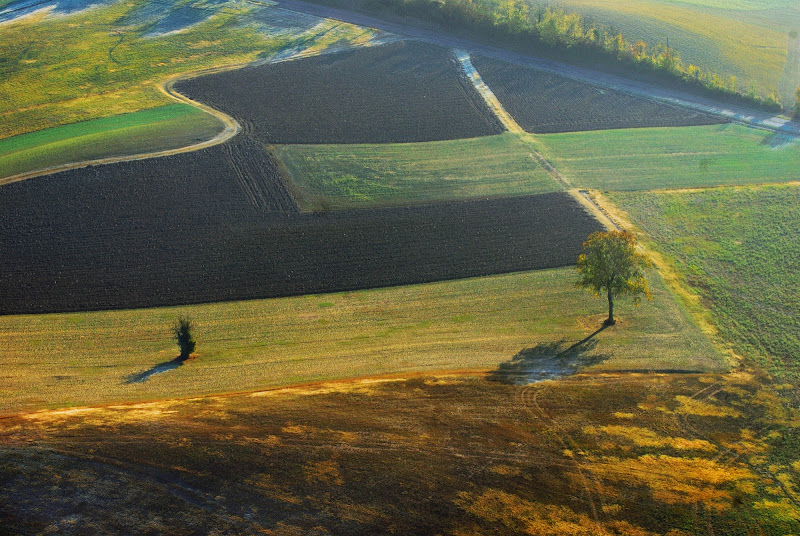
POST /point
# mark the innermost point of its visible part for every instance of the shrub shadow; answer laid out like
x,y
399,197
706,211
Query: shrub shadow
x,y
549,361
142,377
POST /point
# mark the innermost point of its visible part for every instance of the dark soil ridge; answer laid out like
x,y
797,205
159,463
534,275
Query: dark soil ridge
x,y
406,91
544,103
84,251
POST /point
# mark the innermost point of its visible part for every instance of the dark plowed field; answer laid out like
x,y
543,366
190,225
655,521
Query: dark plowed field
x,y
401,92
543,102
134,235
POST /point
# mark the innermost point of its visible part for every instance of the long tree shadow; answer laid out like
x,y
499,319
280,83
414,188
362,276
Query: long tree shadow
x,y
157,369
549,360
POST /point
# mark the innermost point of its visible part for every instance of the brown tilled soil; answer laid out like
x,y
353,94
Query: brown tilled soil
x,y
543,102
401,92
220,224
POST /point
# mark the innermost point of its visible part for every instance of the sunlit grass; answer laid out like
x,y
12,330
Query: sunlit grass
x,y
607,453
346,176
738,247
156,129
86,358
61,70
686,157
745,39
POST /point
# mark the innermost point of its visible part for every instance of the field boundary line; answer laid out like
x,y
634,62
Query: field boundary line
x,y
701,189
673,279
264,391
486,93
581,196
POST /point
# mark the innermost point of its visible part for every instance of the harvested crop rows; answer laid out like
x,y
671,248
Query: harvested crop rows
x,y
401,92
543,102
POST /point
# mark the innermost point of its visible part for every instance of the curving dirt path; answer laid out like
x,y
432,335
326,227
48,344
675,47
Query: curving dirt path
x,y
230,129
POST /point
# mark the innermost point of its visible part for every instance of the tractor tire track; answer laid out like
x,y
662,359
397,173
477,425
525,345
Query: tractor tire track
x,y
528,398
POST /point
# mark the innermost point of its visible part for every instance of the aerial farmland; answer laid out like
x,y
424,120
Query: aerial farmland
x,y
370,221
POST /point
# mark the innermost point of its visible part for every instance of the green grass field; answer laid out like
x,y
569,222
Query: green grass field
x,y
654,158
85,358
156,129
345,176
746,38
739,247
95,63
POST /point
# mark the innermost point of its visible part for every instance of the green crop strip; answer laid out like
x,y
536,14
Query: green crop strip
x,y
655,158
156,129
344,176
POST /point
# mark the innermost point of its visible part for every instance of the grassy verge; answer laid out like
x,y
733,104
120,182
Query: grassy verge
x,y
156,129
739,249
345,176
61,70
653,158
87,358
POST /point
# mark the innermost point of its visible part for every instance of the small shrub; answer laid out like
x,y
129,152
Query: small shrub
x,y
183,335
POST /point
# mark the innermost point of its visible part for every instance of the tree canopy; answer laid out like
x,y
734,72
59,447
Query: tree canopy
x,y
610,264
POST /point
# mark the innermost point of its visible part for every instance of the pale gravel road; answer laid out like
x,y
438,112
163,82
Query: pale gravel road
x,y
755,118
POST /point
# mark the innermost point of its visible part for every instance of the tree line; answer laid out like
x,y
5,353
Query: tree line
x,y
570,36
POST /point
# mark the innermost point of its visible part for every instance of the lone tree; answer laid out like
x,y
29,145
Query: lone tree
x,y
610,264
182,331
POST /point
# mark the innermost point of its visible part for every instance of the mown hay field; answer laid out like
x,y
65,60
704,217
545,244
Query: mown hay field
x,y
346,176
748,39
739,249
543,102
649,159
91,358
601,454
156,129
399,92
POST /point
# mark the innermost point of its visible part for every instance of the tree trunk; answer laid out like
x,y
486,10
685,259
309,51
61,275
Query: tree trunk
x,y
610,320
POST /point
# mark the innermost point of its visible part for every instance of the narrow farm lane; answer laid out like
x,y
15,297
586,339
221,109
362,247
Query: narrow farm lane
x,y
512,126
738,114
488,96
